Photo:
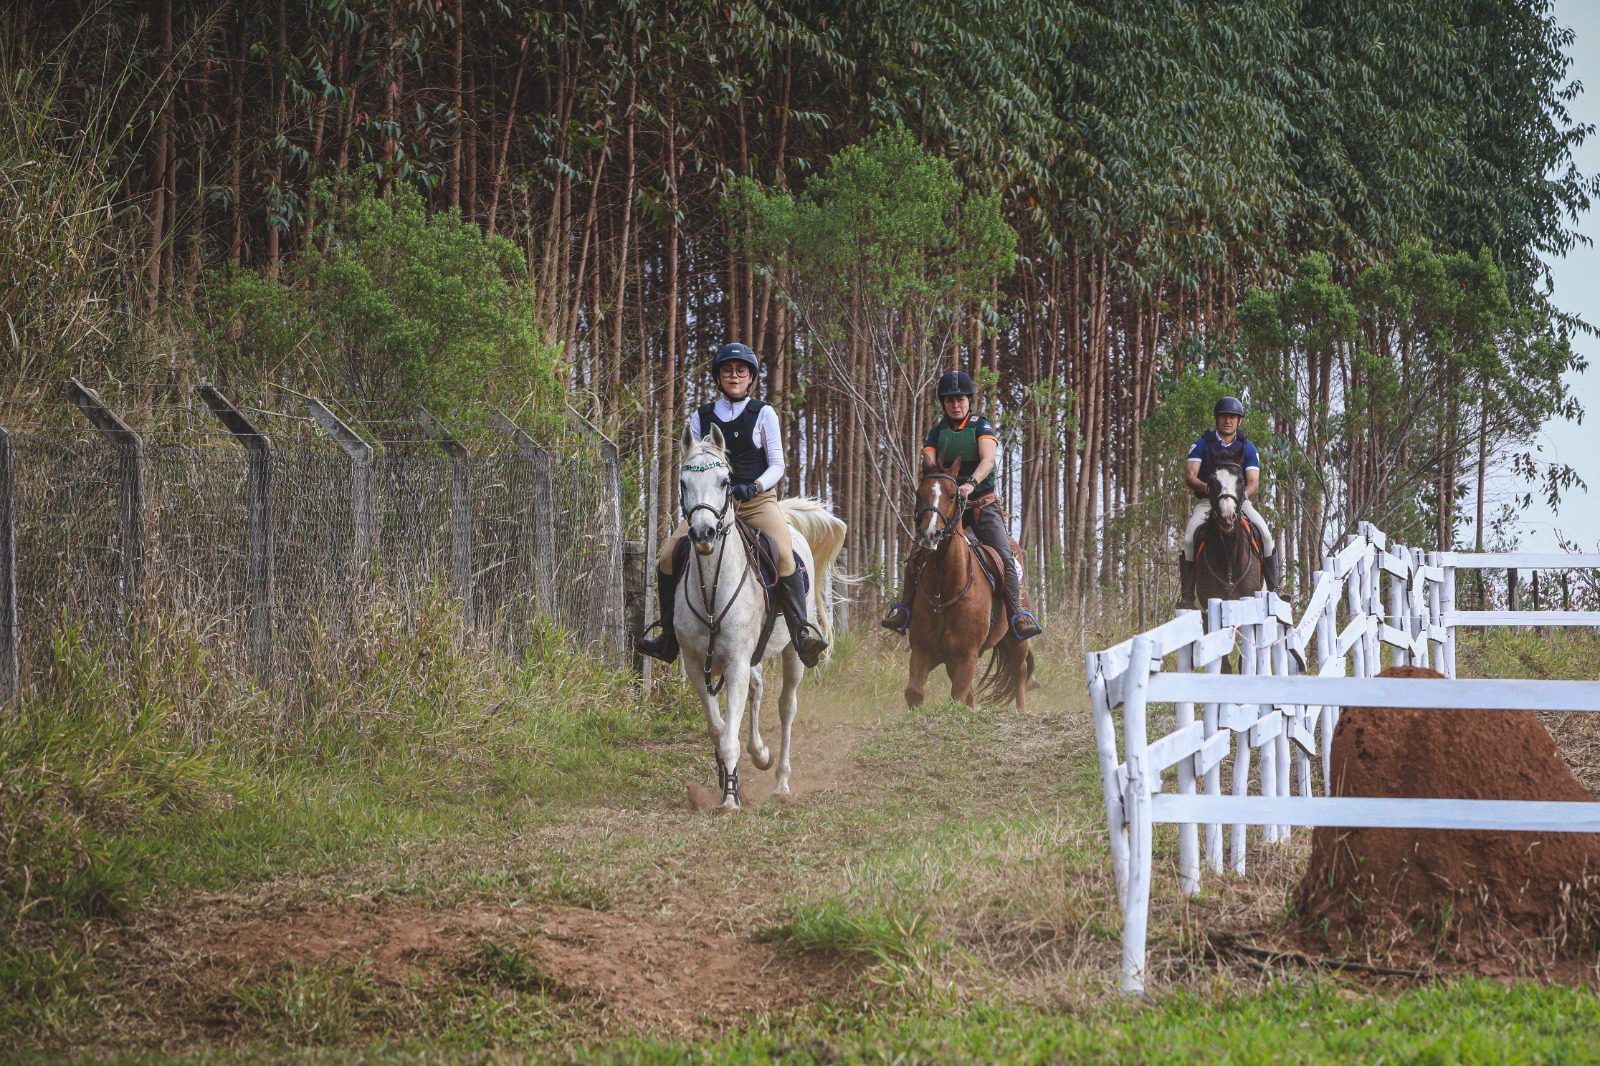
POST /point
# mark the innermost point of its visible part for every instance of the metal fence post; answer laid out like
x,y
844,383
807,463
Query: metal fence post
x,y
10,678
634,593
360,453
613,621
542,510
258,449
460,510
130,461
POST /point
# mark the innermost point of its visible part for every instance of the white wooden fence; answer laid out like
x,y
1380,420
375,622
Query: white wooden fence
x,y
1284,703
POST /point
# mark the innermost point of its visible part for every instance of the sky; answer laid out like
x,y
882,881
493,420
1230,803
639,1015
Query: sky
x,y
1577,289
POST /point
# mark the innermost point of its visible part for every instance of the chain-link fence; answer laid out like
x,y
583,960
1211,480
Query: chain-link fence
x,y
264,552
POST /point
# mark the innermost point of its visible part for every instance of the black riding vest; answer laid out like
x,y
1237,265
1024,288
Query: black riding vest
x,y
1218,453
747,459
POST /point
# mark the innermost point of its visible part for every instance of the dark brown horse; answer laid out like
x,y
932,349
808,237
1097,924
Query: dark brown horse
x,y
956,612
1227,560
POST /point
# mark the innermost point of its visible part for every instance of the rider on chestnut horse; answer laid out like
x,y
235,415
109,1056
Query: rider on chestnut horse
x,y
755,454
1223,445
974,440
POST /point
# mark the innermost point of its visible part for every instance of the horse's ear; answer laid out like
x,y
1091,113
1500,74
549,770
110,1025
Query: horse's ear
x,y
686,441
955,467
716,439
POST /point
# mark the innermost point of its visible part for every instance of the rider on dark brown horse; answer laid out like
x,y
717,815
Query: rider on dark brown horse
x,y
1224,445
755,454
963,434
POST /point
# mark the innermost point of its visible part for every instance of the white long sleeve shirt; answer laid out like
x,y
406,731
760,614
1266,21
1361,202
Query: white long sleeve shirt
x,y
767,434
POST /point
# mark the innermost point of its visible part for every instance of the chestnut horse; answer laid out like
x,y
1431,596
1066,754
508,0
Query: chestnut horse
x,y
957,613
1227,564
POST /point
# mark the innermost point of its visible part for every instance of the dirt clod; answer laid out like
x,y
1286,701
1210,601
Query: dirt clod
x,y
1500,900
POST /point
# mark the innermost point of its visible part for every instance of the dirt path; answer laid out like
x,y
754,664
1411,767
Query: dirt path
x,y
670,932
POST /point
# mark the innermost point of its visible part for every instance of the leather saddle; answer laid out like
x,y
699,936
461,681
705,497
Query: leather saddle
x,y
759,545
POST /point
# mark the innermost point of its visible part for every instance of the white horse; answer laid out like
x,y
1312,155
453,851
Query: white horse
x,y
720,608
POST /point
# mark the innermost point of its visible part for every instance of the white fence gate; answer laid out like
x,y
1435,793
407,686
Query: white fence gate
x,y
1284,704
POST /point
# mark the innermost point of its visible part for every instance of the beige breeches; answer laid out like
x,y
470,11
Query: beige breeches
x,y
1202,510
762,512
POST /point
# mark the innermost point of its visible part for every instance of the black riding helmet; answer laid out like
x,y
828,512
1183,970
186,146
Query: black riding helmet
x,y
955,383
1228,405
734,352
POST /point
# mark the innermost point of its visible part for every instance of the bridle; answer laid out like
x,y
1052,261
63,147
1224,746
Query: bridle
x,y
935,596
712,618
1239,529
950,524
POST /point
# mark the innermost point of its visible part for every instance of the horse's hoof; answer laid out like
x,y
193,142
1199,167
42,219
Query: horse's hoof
x,y
762,759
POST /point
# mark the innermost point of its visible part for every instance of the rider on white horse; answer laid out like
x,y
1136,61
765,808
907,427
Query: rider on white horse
x,y
1223,445
973,439
755,452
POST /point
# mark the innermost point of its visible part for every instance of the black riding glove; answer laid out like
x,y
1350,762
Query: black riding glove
x,y
745,492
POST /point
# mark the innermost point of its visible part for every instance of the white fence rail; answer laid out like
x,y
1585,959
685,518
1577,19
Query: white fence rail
x,y
1284,703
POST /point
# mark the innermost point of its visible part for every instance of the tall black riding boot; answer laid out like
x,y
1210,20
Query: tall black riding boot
x,y
1186,583
1024,626
792,601
664,646
1269,571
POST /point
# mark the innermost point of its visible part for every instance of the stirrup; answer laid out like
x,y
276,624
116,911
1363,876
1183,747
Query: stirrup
x,y
664,646
897,611
1025,620
809,644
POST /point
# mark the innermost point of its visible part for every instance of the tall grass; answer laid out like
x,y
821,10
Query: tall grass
x,y
135,769
67,261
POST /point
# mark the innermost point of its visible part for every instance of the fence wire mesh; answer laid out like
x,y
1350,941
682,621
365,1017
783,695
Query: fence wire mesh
x,y
519,540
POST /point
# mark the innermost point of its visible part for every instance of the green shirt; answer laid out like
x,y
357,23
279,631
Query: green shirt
x,y
950,441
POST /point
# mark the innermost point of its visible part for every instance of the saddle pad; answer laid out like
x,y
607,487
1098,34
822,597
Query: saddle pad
x,y
1254,533
769,571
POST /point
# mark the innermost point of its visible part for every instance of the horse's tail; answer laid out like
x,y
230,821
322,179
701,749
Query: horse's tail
x,y
825,532
1010,663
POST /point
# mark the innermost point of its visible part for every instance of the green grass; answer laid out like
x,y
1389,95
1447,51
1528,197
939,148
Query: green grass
x,y
958,874
122,786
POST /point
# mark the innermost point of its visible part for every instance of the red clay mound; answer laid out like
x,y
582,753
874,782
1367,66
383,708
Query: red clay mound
x,y
1478,897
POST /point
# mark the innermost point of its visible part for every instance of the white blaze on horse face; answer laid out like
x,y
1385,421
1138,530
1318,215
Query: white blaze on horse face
x,y
1228,504
930,532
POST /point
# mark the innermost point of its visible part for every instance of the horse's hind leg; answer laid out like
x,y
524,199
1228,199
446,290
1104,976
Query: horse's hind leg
x,y
788,707
759,753
922,665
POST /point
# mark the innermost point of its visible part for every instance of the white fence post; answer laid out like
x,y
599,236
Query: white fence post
x,y
1270,762
1105,742
1213,781
1136,915
1249,637
1447,607
1188,832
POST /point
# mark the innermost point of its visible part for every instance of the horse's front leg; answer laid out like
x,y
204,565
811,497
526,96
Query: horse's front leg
x,y
922,665
962,671
759,753
738,690
788,706
694,664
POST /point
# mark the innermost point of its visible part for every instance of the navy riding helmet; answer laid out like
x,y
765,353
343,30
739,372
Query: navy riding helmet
x,y
955,383
1228,405
734,352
